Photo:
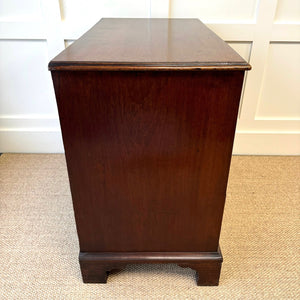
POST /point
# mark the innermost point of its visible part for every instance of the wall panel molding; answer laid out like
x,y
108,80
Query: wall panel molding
x,y
285,33
249,29
53,29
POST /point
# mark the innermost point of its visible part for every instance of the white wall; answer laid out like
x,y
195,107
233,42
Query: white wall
x,y
265,32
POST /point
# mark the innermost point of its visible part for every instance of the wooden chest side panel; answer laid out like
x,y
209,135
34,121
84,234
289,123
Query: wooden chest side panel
x,y
148,156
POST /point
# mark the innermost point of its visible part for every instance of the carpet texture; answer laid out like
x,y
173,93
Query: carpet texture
x,y
39,246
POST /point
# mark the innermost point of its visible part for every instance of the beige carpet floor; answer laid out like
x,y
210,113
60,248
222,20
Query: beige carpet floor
x,y
39,246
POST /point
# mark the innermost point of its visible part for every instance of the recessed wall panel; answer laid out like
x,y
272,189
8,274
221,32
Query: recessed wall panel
x,y
242,48
280,94
25,83
214,10
288,11
93,10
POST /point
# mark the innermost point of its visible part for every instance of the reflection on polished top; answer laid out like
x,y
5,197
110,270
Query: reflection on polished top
x,y
133,44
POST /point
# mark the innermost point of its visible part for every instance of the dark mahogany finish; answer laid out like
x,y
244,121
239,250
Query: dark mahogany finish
x,y
148,126
95,267
157,44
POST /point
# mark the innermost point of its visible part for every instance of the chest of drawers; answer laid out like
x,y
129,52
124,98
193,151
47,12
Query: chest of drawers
x,y
148,110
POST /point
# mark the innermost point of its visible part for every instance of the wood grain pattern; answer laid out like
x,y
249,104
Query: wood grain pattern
x,y
148,156
135,44
148,149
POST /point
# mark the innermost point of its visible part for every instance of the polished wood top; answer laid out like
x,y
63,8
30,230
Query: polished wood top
x,y
155,44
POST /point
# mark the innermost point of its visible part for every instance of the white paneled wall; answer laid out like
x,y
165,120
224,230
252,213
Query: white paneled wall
x,y
265,32
215,11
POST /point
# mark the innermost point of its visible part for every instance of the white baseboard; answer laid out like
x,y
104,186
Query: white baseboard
x,y
31,142
260,143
